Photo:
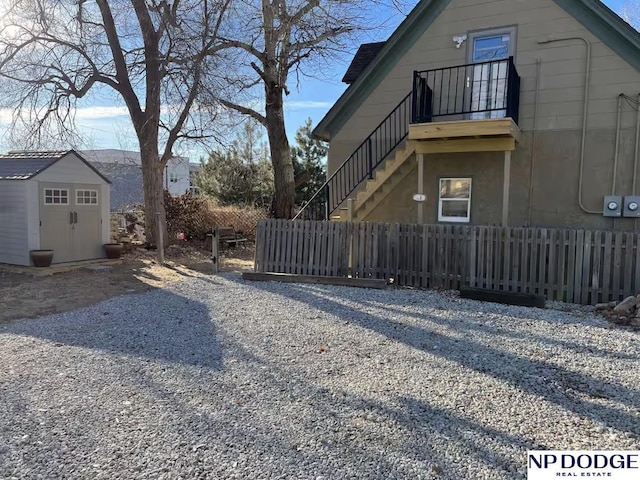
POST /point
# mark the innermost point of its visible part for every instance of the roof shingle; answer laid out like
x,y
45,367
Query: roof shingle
x,y
362,58
23,165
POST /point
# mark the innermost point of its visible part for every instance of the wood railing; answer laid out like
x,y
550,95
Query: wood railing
x,y
578,266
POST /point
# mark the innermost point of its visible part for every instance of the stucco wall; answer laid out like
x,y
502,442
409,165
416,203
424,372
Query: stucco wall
x,y
555,183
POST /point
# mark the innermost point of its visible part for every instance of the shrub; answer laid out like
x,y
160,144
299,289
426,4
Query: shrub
x,y
188,214
196,216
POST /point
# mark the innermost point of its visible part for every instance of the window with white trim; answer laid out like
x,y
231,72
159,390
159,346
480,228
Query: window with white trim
x,y
86,197
454,202
173,177
56,196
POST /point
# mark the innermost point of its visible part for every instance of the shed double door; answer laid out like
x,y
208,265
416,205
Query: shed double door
x,y
70,221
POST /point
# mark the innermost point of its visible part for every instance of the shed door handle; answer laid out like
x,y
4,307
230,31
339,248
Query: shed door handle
x,y
70,218
75,217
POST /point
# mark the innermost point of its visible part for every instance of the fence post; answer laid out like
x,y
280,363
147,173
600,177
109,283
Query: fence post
x,y
160,239
214,250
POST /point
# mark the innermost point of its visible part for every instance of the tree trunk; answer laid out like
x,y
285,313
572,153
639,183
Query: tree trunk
x,y
284,183
152,180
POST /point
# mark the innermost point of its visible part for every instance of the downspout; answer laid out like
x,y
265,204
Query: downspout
x,y
534,138
636,152
635,160
585,110
617,148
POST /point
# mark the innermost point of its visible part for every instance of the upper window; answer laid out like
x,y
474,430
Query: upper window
x,y
494,47
56,196
86,197
454,204
173,177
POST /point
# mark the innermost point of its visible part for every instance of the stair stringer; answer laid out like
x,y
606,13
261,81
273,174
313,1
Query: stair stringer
x,y
385,179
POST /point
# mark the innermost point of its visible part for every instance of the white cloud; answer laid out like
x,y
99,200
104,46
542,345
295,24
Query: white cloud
x,y
84,113
302,104
97,113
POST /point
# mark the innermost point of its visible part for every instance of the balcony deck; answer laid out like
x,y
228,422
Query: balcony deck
x,y
486,135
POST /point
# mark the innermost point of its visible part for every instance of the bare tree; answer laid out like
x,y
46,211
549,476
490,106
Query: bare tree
x,y
154,55
275,39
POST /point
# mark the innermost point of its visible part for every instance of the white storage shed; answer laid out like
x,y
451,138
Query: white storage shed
x,y
52,200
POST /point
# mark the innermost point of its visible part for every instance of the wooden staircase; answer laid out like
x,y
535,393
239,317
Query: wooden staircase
x,y
386,177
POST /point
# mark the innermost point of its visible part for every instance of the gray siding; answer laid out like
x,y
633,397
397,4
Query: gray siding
x,y
13,223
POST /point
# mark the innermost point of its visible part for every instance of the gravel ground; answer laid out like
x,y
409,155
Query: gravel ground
x,y
220,378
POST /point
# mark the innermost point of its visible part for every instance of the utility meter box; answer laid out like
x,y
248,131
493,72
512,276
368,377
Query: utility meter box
x,y
612,206
631,207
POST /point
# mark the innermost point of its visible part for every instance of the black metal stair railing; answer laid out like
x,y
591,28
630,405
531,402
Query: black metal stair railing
x,y
470,92
361,164
466,92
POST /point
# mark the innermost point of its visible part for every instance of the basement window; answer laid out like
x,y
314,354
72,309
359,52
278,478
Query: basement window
x,y
454,203
56,196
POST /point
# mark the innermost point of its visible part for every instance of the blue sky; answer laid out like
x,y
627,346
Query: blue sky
x,y
107,125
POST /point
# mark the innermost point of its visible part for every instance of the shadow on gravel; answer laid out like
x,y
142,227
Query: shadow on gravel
x,y
158,325
476,325
573,391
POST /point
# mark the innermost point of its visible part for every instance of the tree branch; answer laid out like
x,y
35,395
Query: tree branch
x,y
244,110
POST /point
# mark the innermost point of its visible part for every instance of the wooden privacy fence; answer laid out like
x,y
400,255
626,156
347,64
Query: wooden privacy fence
x,y
577,266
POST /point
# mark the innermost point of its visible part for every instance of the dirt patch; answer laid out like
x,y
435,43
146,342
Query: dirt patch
x,y
24,295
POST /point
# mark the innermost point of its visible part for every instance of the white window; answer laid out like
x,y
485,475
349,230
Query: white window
x,y
86,197
173,177
56,196
454,203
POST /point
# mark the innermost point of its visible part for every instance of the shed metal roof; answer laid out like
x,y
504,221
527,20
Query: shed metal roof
x,y
25,164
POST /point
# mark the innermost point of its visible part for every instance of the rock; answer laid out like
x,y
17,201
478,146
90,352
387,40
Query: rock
x,y
613,304
601,306
635,322
627,305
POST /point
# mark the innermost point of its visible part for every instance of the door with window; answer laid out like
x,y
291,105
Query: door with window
x,y
87,225
70,221
56,220
489,51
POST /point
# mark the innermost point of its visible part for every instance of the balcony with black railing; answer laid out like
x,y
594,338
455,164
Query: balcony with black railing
x,y
474,100
463,108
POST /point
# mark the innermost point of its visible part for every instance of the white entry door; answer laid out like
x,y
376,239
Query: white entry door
x,y
489,82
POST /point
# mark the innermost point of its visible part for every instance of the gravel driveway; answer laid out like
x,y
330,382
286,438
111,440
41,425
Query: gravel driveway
x,y
220,378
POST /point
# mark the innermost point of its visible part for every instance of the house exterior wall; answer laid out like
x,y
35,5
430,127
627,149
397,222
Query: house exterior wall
x,y
555,186
177,176
559,113
13,219
122,167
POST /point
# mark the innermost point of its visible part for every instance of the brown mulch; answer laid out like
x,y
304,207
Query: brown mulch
x,y
25,295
